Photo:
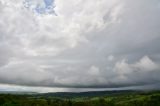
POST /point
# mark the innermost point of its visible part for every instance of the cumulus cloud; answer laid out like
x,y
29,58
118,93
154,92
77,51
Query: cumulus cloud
x,y
105,43
145,71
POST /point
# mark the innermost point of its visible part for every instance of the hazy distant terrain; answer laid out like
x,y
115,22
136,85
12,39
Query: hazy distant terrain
x,y
101,98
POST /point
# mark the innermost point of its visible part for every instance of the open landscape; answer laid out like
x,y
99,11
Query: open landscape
x,y
79,52
95,98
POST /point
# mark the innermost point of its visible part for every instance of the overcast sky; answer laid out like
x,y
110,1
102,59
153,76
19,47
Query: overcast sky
x,y
75,45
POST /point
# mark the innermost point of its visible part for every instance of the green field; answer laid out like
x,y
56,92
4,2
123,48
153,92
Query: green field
x,y
103,98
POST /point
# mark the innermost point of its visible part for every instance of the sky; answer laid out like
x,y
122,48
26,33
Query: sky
x,y
79,45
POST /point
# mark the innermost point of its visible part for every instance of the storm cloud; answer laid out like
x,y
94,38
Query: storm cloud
x,y
80,44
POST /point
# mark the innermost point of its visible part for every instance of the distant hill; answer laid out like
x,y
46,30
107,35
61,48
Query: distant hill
x,y
17,92
77,94
86,94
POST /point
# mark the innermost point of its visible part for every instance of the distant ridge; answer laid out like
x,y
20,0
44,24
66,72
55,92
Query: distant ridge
x,y
17,92
77,94
86,94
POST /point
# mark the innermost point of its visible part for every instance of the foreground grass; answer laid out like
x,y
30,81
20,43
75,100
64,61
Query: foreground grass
x,y
121,99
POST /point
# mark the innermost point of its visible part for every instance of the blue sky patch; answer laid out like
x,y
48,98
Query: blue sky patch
x,y
40,6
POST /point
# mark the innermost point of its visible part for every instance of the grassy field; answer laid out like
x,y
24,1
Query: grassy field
x,y
105,98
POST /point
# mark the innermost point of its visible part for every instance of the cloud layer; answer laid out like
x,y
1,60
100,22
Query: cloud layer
x,y
100,44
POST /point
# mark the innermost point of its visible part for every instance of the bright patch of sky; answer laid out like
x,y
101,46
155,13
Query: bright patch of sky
x,y
40,6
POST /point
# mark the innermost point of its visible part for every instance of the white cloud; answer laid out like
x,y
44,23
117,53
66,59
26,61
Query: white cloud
x,y
110,58
94,71
143,71
73,49
144,64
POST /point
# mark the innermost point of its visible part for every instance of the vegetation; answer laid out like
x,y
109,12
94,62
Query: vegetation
x,y
112,98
